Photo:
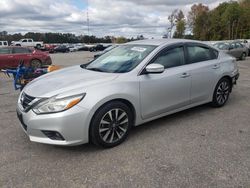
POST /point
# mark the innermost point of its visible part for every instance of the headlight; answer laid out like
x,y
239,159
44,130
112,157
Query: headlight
x,y
53,105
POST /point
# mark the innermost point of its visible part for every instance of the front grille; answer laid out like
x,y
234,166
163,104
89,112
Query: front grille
x,y
26,100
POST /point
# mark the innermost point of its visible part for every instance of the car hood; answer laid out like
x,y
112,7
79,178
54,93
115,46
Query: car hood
x,y
68,80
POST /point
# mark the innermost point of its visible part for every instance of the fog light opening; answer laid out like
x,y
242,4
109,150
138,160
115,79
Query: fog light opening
x,y
53,135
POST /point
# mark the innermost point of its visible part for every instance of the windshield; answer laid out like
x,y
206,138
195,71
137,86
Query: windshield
x,y
121,59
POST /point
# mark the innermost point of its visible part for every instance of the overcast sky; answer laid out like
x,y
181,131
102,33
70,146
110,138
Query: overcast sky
x,y
107,17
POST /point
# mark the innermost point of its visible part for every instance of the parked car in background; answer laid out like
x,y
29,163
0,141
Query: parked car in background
x,y
236,49
27,43
61,48
73,48
4,43
247,44
98,47
11,56
83,48
49,48
132,84
105,51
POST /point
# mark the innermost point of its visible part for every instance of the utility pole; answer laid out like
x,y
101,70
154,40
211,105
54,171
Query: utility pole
x,y
88,20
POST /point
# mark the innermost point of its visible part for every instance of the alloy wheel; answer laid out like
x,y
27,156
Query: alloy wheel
x,y
35,64
222,92
113,125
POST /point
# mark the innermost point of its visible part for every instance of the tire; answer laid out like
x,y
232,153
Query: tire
x,y
243,56
221,92
111,124
35,63
38,46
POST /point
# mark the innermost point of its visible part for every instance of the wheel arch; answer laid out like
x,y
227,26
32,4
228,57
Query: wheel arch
x,y
230,81
36,60
124,101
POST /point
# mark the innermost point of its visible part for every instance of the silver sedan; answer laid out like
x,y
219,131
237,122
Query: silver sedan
x,y
132,84
235,49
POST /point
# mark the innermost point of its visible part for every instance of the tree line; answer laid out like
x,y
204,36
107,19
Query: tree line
x,y
55,37
228,21
51,38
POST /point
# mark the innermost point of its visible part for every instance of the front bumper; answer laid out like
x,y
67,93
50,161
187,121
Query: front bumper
x,y
72,125
48,61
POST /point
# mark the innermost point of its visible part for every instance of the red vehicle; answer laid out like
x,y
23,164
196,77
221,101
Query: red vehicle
x,y
49,47
12,55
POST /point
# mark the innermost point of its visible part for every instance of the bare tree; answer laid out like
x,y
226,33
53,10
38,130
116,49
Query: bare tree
x,y
172,20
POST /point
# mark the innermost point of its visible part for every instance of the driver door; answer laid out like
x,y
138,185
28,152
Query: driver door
x,y
167,91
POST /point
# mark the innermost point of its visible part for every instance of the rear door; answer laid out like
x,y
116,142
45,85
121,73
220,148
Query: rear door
x,y
240,49
6,58
30,42
234,51
24,42
205,71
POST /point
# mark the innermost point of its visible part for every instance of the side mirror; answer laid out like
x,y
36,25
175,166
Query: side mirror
x,y
155,68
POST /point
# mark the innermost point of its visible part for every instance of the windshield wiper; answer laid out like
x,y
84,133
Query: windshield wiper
x,y
95,69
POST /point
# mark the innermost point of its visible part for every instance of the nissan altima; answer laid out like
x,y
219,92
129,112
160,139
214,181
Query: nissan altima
x,y
132,84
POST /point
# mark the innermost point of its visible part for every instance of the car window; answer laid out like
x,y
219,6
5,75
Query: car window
x,y
238,45
1,44
199,54
233,46
21,51
5,51
222,46
5,43
29,40
171,58
121,59
24,41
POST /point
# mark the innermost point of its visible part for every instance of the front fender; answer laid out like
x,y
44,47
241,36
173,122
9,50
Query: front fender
x,y
96,97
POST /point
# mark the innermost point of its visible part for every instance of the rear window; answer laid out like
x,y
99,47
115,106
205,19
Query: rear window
x,y
200,53
5,51
222,46
5,43
239,45
21,50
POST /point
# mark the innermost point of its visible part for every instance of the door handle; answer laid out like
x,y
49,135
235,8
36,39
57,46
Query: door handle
x,y
216,66
185,75
10,56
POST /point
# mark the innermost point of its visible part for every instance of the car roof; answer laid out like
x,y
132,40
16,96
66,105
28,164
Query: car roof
x,y
19,47
160,42
13,47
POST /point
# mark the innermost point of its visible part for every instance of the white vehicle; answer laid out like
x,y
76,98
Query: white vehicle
x,y
27,43
73,48
4,43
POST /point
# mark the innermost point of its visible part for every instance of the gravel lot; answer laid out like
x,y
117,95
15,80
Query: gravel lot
x,y
200,147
